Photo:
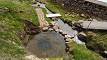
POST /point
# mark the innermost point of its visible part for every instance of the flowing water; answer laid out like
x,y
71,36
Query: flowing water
x,y
50,43
64,27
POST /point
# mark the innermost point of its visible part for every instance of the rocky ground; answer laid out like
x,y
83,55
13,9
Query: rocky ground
x,y
82,6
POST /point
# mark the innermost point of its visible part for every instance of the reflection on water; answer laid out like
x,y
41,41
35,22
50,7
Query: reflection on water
x,y
47,44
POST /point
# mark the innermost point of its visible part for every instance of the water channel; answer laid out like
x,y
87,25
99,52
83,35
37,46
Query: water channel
x,y
51,43
64,27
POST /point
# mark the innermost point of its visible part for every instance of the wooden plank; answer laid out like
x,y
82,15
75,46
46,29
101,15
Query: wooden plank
x,y
94,25
53,15
100,2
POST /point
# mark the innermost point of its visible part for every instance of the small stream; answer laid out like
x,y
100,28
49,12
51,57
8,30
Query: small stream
x,y
51,43
64,27
60,26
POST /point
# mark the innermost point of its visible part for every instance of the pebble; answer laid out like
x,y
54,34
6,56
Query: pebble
x,y
105,52
50,29
45,28
82,33
67,36
67,42
60,31
57,30
68,39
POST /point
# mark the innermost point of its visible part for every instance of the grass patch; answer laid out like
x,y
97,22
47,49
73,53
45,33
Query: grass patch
x,y
11,24
68,16
80,52
48,19
100,38
55,58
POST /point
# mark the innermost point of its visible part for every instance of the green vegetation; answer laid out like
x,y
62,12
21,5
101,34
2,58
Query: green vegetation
x,y
48,19
98,42
12,14
55,58
101,38
80,52
68,16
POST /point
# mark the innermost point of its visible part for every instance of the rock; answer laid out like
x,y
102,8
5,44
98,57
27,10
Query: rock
x,y
82,37
82,15
50,29
57,30
105,52
60,31
68,36
67,42
51,26
45,29
64,33
82,33
55,27
33,57
68,39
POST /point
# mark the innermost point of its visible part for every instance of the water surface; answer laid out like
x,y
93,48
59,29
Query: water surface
x,y
47,44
